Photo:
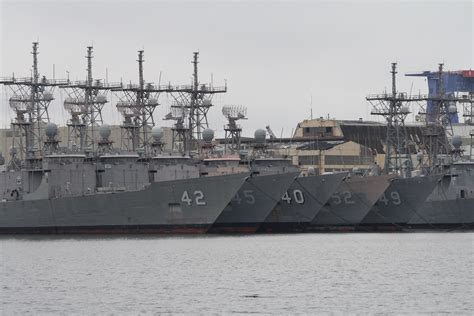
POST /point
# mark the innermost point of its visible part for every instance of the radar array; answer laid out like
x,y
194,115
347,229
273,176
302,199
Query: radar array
x,y
178,114
233,131
85,101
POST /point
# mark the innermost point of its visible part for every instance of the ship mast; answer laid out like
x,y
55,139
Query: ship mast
x,y
394,108
197,100
137,105
30,101
85,101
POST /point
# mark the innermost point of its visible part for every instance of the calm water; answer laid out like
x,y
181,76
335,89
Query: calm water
x,y
281,274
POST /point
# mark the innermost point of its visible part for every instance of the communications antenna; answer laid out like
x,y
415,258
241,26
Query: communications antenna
x,y
197,98
30,101
233,131
84,103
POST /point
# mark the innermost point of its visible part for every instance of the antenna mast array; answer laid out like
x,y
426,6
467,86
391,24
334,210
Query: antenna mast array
x,y
197,99
233,131
137,105
467,102
85,101
438,123
394,108
30,101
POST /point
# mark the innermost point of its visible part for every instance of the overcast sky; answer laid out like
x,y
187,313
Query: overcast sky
x,y
274,55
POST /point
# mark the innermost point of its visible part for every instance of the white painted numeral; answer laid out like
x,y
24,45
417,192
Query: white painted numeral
x,y
249,198
298,195
286,198
237,198
198,198
336,199
395,198
185,198
344,197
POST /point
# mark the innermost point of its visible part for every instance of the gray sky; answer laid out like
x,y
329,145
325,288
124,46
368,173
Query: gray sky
x,y
274,55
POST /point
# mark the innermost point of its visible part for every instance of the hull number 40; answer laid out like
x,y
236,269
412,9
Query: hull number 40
x,y
297,196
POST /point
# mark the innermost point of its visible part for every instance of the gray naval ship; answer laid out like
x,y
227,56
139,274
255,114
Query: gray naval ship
x,y
350,203
89,186
399,203
258,195
301,202
451,204
71,193
276,198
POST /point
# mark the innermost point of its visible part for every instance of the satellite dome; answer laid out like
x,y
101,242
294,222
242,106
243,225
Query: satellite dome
x,y
260,135
101,99
152,101
405,109
105,131
48,96
208,135
12,151
51,130
206,102
419,156
456,141
452,109
311,171
157,133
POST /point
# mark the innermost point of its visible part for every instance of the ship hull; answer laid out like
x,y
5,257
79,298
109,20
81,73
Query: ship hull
x,y
182,206
399,203
445,214
301,203
351,202
252,204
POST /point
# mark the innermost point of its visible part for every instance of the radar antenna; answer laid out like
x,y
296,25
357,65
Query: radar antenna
x,y
233,131
178,114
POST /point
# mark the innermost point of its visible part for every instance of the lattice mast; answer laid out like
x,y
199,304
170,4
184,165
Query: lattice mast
x,y
233,131
197,100
137,105
30,101
85,101
467,102
438,124
394,108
